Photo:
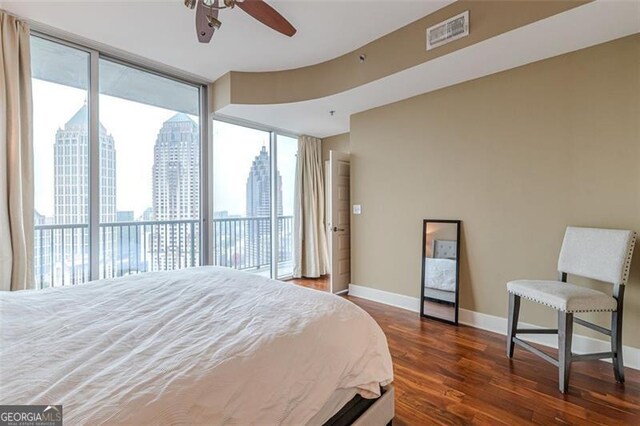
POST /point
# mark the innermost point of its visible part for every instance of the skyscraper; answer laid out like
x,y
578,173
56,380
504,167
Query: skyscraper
x,y
71,172
259,209
71,193
176,187
259,187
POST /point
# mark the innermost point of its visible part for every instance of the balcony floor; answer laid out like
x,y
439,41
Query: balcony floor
x,y
285,270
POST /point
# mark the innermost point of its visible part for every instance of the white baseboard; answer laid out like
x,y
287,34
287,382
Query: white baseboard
x,y
581,344
393,299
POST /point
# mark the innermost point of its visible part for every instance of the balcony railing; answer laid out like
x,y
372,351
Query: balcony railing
x,y
245,243
62,251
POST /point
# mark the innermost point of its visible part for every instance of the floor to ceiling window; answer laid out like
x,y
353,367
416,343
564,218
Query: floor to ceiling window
x,y
249,198
149,172
61,163
145,197
117,192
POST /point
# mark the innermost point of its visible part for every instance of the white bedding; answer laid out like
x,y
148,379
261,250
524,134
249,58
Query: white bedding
x,y
440,274
205,345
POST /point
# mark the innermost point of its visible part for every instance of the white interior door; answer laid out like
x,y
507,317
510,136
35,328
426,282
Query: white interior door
x,y
339,221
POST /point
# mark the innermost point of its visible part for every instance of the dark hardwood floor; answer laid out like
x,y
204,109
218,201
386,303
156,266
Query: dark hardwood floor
x,y
315,283
461,375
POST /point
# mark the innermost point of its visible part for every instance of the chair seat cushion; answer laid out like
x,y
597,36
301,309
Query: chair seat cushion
x,y
564,297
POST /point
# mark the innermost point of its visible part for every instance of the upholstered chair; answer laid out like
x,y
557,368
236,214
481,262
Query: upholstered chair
x,y
599,254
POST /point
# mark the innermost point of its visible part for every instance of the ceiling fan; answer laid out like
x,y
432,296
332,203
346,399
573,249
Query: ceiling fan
x,y
207,16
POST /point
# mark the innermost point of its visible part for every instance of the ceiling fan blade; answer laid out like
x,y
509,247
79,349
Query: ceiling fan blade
x,y
205,32
267,15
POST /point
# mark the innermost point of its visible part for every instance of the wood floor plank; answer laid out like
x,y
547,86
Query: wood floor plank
x,y
446,375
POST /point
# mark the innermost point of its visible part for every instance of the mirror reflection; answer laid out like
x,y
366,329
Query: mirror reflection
x,y
440,266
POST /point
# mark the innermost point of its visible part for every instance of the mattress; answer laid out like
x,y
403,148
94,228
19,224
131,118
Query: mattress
x,y
203,345
445,296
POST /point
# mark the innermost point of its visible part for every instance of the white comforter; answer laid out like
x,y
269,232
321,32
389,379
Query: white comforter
x,y
205,345
440,274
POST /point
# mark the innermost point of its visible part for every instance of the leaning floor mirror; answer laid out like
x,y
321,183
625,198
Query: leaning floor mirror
x,y
440,270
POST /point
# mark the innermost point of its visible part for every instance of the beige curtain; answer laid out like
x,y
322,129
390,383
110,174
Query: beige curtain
x,y
310,255
16,156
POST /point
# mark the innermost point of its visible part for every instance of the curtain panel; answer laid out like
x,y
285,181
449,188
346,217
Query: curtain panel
x,y
310,254
16,156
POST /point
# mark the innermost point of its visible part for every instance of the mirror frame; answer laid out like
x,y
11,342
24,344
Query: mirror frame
x,y
458,224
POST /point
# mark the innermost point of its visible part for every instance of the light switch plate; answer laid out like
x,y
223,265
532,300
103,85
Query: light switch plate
x,y
357,209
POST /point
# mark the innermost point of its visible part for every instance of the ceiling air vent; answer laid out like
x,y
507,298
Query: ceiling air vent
x,y
449,30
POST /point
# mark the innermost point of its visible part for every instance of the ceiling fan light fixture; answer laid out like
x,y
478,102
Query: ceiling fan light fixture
x,y
213,22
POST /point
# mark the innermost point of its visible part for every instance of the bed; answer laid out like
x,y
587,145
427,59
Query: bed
x,y
203,345
440,272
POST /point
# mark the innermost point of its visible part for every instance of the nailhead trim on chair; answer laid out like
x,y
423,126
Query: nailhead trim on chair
x,y
627,266
558,309
625,277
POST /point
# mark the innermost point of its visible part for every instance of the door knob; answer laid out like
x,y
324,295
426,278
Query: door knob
x,y
336,229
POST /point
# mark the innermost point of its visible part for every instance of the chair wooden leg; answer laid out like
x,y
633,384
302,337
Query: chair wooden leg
x,y
514,312
616,346
565,334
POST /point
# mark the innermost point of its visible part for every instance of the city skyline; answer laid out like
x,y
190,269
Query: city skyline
x,y
176,196
134,127
114,213
149,186
149,174
175,173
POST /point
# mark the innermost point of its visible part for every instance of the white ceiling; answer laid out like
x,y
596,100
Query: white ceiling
x,y
164,30
578,28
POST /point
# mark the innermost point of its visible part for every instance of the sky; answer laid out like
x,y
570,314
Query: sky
x,y
53,105
134,127
234,149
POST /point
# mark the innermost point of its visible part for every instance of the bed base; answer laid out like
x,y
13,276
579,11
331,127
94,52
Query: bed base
x,y
366,412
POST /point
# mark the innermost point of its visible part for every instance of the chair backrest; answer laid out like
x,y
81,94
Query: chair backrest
x,y
600,254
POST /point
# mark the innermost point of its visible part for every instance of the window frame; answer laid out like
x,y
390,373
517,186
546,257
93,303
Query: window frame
x,y
99,51
96,53
273,153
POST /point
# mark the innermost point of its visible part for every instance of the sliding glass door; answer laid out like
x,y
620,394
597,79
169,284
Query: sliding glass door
x,y
252,203
241,198
117,192
287,156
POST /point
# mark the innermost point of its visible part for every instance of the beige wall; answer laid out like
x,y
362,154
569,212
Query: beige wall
x,y
517,156
335,143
